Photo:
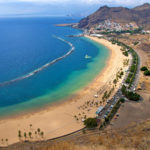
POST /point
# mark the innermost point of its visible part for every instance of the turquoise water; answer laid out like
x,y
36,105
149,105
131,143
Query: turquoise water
x,y
26,45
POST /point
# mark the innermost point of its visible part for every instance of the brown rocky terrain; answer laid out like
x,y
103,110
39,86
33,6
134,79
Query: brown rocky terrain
x,y
139,15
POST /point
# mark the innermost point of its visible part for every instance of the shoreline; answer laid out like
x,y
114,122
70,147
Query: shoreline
x,y
65,24
50,119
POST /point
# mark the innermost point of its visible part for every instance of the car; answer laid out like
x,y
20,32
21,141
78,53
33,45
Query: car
x,y
111,106
116,100
117,115
126,99
109,110
107,113
105,116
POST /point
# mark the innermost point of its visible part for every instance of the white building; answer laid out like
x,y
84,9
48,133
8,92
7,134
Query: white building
x,y
96,35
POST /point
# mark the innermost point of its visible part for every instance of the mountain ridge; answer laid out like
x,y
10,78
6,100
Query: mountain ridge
x,y
140,15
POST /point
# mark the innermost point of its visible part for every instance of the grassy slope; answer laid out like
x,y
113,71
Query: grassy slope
x,y
136,137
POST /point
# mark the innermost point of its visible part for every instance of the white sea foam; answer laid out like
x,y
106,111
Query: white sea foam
x,y
44,66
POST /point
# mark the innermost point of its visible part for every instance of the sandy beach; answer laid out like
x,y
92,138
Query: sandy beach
x,y
66,117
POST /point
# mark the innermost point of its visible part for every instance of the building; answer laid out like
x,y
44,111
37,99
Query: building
x,y
96,35
99,110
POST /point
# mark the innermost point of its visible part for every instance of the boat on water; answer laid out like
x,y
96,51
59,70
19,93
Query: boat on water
x,y
87,56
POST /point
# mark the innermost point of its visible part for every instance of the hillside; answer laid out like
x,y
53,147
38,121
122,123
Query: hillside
x,y
140,15
133,137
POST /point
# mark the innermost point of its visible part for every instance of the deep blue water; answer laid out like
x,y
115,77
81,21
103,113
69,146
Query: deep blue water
x,y
27,44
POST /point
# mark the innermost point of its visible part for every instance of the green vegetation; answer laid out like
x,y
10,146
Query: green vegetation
x,y
118,76
128,80
125,53
122,100
133,69
135,43
83,131
19,134
30,134
25,135
147,72
126,62
30,125
130,95
107,94
42,134
111,114
90,123
144,68
38,130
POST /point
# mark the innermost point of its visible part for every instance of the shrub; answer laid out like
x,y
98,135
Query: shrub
x,y
135,43
123,89
122,73
115,81
147,72
132,96
133,68
125,53
122,100
107,119
101,126
83,131
128,80
90,123
130,75
144,68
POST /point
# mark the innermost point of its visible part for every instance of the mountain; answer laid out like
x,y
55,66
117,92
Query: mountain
x,y
140,15
142,7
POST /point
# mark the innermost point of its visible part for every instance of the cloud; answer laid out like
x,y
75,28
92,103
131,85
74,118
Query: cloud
x,y
117,2
60,7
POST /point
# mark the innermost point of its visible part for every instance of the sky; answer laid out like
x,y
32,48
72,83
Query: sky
x,y
59,7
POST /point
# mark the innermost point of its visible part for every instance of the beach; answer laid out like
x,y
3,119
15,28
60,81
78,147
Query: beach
x,y
67,117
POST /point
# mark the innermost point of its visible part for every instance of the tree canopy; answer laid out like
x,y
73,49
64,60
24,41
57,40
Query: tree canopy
x,y
90,123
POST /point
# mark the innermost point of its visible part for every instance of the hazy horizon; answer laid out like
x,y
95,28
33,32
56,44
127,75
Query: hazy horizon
x,y
80,8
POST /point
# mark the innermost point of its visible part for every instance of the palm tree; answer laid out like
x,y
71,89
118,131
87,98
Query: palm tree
x,y
19,134
30,134
30,125
38,130
42,134
6,141
25,135
2,140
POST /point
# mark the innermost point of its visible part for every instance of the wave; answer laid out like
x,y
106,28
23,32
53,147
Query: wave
x,y
44,66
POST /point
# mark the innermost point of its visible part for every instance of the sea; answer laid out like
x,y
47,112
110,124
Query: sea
x,y
41,64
